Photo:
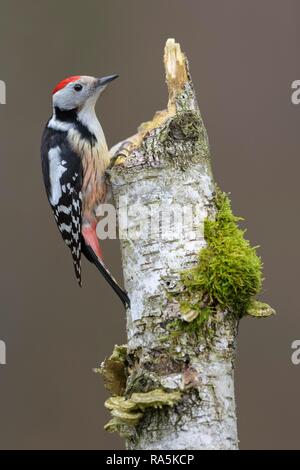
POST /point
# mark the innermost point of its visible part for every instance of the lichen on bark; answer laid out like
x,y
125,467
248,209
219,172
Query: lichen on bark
x,y
114,370
131,394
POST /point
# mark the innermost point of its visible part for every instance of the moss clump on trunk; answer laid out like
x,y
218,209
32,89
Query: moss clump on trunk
x,y
228,274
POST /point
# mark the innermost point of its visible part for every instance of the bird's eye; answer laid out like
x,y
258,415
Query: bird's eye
x,y
77,87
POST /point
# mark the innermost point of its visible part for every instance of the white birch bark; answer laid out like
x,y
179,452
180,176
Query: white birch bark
x,y
168,164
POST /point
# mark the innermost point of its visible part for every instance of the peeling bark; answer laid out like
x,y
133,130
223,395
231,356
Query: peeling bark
x,y
168,163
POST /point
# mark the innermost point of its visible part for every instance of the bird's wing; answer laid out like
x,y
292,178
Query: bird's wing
x,y
62,172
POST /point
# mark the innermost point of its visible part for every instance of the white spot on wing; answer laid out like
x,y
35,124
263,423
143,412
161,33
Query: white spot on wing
x,y
64,209
75,236
56,171
65,228
76,205
75,221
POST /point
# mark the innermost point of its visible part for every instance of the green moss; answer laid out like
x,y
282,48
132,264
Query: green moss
x,y
199,324
228,275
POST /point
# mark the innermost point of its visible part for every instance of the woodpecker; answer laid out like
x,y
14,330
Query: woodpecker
x,y
74,157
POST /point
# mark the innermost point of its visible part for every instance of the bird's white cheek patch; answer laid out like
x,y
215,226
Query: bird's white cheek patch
x,y
56,170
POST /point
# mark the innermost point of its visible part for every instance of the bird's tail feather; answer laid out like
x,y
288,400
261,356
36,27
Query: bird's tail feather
x,y
93,258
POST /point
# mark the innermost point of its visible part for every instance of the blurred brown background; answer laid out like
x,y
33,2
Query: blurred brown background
x,y
243,56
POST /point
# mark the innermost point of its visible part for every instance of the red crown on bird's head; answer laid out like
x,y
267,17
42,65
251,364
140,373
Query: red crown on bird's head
x,y
65,82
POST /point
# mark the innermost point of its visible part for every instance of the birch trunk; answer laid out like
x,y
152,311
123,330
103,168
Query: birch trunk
x,y
167,165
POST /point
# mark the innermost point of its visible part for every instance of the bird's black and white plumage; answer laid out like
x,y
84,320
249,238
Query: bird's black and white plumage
x,y
62,171
74,158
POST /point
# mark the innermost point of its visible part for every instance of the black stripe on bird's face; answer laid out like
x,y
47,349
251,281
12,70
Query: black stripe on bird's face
x,y
66,115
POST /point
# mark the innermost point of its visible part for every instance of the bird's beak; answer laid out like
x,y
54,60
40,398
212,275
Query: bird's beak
x,y
101,82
